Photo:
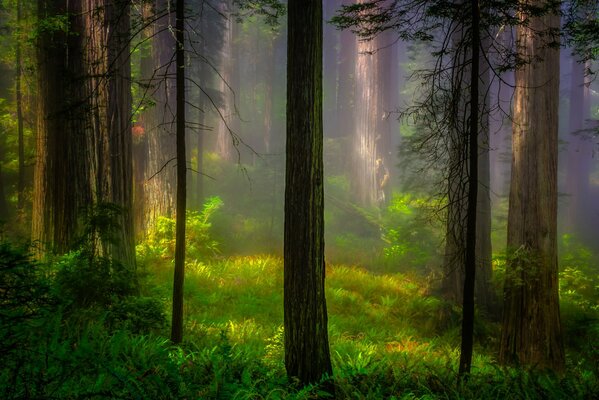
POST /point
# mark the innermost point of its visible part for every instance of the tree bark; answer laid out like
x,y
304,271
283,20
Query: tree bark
x,y
160,121
119,113
531,330
19,98
179,277
307,354
473,186
61,184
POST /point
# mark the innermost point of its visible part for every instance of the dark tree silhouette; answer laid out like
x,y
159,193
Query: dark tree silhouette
x,y
307,354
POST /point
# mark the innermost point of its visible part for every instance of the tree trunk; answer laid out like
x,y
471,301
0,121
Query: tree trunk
x,y
457,214
473,187
119,113
61,184
179,277
531,330
307,354
160,120
579,159
224,111
19,95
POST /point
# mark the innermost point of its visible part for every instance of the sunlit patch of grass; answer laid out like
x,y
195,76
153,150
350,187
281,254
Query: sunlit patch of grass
x,y
388,338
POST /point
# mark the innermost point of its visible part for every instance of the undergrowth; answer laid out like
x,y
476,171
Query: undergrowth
x,y
389,337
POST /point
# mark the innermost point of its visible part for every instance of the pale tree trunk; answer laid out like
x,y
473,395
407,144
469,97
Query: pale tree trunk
x,y
224,113
143,125
531,332
579,157
160,121
371,134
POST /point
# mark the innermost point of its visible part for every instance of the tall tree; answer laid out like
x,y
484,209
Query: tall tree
x,y
19,98
61,184
116,34
84,139
371,129
531,332
307,354
179,277
458,174
159,120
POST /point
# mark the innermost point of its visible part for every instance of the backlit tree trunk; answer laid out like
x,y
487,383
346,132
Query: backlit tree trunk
x,y
306,338
224,113
531,331
371,131
160,121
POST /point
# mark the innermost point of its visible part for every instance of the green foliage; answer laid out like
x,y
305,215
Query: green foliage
x,y
160,242
412,240
24,296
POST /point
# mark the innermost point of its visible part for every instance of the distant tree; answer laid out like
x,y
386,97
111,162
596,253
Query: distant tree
x,y
531,333
307,356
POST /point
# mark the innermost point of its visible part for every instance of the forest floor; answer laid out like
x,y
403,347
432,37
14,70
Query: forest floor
x,y
390,337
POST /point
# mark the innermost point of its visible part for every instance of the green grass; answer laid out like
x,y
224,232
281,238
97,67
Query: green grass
x,y
389,339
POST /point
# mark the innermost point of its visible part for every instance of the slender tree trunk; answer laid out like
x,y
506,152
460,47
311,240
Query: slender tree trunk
x,y
177,322
473,186
456,237
531,329
19,95
3,203
306,338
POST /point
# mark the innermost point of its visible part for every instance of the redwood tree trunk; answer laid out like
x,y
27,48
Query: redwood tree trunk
x,y
61,184
531,331
307,354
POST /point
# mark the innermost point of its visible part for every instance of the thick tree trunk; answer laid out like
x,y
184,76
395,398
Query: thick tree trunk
x,y
119,110
531,330
61,184
306,338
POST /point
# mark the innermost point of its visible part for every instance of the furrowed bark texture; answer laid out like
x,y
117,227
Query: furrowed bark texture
x,y
61,184
159,193
531,330
306,338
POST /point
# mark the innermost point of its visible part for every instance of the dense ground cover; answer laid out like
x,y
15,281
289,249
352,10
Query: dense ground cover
x,y
390,336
